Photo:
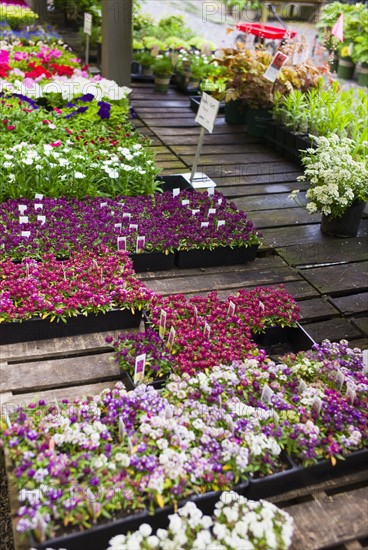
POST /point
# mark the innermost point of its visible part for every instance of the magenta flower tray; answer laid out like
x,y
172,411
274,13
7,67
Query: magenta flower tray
x,y
43,329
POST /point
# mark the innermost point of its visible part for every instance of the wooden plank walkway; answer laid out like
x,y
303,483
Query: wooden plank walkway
x,y
327,276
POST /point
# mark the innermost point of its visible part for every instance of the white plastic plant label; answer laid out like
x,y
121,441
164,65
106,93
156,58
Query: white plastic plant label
x,y
231,309
195,315
140,364
340,379
38,197
302,386
121,242
275,66
185,202
118,225
162,325
103,204
211,191
207,112
23,219
219,201
365,361
87,28
220,223
133,226
26,234
38,206
127,215
22,208
267,394
141,242
211,212
207,331
121,429
176,192
171,338
351,393
316,405
41,219
204,224
195,211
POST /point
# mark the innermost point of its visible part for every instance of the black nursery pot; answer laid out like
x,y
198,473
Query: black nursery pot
x,y
169,183
158,384
280,340
222,255
43,329
152,261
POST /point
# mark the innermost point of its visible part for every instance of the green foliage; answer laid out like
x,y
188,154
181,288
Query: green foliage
x,y
163,65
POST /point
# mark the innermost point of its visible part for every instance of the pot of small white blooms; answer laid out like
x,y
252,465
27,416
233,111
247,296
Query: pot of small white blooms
x,y
338,178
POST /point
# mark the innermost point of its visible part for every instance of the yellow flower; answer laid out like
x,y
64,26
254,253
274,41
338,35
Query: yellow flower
x,y
345,51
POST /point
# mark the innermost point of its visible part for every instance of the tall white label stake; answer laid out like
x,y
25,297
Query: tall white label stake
x,y
206,117
87,31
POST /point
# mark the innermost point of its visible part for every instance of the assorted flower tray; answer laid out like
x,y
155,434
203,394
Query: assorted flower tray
x,y
98,537
221,255
43,329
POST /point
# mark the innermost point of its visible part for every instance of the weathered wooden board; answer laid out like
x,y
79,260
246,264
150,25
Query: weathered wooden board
x,y
329,251
280,217
315,309
329,521
223,149
244,190
82,344
306,234
355,303
332,329
233,281
57,373
338,279
361,323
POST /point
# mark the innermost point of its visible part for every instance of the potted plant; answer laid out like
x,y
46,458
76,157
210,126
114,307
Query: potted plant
x,y
146,60
360,51
162,69
338,185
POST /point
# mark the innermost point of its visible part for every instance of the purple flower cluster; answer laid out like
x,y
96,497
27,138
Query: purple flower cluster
x,y
166,223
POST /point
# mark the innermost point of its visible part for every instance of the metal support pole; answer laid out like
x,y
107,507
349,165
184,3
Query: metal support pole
x,y
198,153
87,49
117,40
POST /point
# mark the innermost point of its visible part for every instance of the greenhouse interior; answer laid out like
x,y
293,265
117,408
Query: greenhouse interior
x,y
183,275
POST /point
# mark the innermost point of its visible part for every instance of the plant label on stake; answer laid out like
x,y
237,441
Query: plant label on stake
x,y
275,66
195,315
87,31
340,379
207,331
26,234
211,212
127,215
171,338
316,405
121,429
22,208
23,219
41,219
231,309
38,197
220,223
365,361
195,211
302,386
176,192
38,206
205,224
162,325
102,204
118,226
351,393
267,394
140,363
133,226
219,202
211,191
121,243
185,202
141,241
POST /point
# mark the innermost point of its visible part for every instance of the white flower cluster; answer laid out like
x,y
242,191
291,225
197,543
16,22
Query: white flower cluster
x,y
236,523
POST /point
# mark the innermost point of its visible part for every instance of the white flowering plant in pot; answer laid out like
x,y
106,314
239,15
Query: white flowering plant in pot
x,y
337,177
236,523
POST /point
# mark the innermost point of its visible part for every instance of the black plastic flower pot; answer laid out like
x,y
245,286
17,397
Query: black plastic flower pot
x,y
222,255
43,329
256,121
280,340
274,484
236,112
158,383
347,225
152,261
176,181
